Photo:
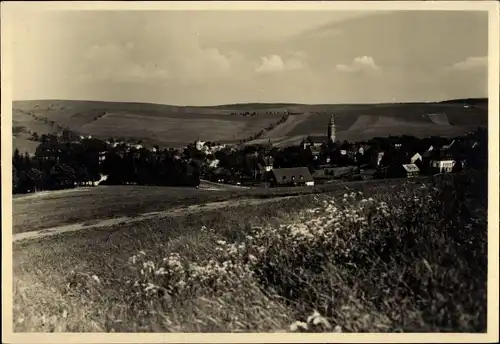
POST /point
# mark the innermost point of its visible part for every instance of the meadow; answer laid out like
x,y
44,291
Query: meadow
x,y
48,209
172,126
395,256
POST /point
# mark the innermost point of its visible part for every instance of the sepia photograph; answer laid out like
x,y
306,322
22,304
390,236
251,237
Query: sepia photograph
x,y
261,169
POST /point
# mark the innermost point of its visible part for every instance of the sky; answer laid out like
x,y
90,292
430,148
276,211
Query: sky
x,y
225,57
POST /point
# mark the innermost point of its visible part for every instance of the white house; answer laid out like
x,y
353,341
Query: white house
x,y
411,170
443,165
199,144
416,157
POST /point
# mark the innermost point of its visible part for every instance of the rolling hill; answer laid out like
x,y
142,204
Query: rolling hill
x,y
168,125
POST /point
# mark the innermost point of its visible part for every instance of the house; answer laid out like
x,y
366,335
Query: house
x,y
416,157
48,151
293,176
442,164
316,152
267,163
411,170
439,161
314,141
400,171
199,145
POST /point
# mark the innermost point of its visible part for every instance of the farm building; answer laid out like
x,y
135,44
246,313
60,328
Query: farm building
x,y
294,176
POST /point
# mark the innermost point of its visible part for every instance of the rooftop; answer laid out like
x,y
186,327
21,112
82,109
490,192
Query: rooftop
x,y
285,175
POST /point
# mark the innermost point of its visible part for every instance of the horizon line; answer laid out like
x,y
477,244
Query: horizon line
x,y
252,102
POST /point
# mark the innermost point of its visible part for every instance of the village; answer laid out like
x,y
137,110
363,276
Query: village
x,y
319,160
67,159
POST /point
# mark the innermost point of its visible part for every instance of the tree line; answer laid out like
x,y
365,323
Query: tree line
x,y
61,165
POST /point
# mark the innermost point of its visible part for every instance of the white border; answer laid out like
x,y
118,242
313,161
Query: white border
x,y
8,11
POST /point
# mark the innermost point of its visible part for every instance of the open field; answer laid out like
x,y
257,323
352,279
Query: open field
x,y
374,264
168,125
44,210
24,125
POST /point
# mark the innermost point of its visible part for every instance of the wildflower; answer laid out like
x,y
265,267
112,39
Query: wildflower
x,y
298,325
313,316
181,284
161,271
322,321
150,266
95,278
151,287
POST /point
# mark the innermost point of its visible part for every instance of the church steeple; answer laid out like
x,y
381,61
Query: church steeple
x,y
331,129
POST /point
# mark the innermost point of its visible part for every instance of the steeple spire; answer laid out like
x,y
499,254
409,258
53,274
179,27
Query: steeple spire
x,y
331,129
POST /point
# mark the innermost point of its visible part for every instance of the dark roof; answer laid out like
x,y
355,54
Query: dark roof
x,y
427,154
438,154
288,173
319,139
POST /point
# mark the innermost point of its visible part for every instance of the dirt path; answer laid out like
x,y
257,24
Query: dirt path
x,y
43,233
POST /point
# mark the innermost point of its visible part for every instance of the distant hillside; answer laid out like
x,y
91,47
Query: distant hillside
x,y
169,125
469,101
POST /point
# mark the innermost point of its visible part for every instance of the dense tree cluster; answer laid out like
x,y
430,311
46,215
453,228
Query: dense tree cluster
x,y
61,165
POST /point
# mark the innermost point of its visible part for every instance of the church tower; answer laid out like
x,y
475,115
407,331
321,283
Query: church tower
x,y
331,130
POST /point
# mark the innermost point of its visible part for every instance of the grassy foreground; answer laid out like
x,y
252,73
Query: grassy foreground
x,y
410,258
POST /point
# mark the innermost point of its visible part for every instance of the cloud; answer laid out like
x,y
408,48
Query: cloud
x,y
113,62
359,64
471,63
274,63
186,62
